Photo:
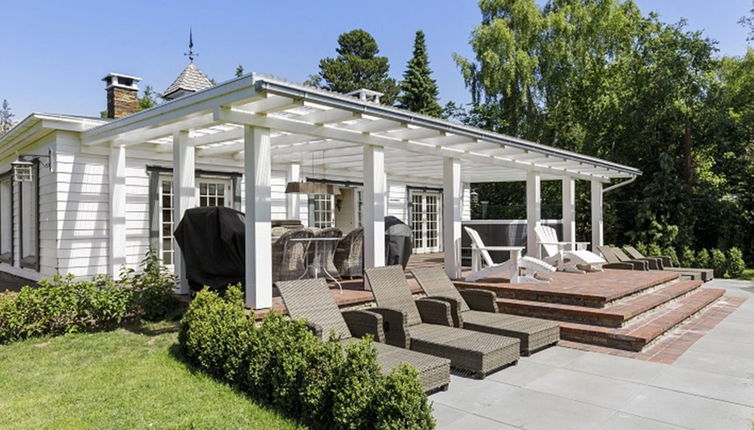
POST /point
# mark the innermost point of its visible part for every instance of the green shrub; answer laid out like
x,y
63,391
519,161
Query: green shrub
x,y
357,384
688,259
152,288
642,248
281,363
717,259
670,252
702,259
402,403
653,250
215,333
62,305
735,264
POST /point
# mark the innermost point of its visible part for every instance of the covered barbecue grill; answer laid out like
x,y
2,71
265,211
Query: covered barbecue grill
x,y
212,244
397,242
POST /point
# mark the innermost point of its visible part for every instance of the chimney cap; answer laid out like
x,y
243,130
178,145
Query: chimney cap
x,y
121,80
366,95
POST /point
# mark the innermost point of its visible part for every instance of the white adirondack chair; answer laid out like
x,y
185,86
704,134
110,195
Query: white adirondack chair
x,y
511,267
558,253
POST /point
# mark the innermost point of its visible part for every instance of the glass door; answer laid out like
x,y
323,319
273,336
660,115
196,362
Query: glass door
x,y
425,221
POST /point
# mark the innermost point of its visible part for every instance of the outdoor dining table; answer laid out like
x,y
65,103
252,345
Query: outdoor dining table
x,y
319,261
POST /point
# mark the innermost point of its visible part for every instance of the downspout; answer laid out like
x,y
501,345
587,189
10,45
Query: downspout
x,y
618,185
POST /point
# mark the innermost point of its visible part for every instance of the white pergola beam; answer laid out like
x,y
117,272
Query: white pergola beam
x,y
328,116
533,212
184,196
374,206
257,180
117,177
452,198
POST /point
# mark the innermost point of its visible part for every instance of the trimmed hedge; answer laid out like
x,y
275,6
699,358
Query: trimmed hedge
x,y
324,384
62,304
730,265
735,264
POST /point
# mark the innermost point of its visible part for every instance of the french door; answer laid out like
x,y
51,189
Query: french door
x,y
425,221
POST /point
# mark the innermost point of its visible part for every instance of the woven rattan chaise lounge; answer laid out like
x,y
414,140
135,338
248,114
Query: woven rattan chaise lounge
x,y
609,254
425,325
648,263
664,262
311,299
476,309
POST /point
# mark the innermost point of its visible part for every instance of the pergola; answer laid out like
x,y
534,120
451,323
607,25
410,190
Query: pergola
x,y
254,122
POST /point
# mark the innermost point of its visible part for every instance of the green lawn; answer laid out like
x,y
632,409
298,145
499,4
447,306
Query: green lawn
x,y
117,380
748,276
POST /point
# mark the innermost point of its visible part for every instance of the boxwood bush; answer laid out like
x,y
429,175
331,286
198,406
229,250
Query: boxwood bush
x,y
323,384
735,263
718,262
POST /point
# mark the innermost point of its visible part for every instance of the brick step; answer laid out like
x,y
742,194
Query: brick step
x,y
639,334
616,315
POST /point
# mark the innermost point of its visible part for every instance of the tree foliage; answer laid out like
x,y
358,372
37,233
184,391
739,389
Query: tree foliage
x,y
601,78
6,117
357,66
419,91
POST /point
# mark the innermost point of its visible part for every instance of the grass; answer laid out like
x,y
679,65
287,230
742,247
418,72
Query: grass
x,y
748,275
118,380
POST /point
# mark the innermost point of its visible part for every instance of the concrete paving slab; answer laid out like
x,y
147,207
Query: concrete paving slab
x,y
705,384
623,421
611,366
689,411
535,410
556,356
596,390
717,362
451,418
523,373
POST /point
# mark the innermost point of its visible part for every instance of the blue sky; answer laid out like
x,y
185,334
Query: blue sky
x,y
55,53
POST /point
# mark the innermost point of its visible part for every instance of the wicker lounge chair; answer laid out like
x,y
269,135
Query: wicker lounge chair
x,y
288,258
664,262
311,299
609,253
476,309
349,255
425,325
650,263
567,260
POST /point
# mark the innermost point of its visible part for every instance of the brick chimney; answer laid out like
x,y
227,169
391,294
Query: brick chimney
x,y
122,94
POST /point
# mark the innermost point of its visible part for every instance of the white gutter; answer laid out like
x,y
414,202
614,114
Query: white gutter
x,y
619,184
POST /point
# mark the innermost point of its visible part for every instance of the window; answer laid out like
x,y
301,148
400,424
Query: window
x,y
321,211
30,221
6,219
209,192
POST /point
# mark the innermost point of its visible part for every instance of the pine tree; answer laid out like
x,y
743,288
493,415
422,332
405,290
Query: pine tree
x,y
418,89
6,117
357,66
148,98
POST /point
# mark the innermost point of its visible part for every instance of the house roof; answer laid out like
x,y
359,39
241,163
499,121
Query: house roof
x,y
191,80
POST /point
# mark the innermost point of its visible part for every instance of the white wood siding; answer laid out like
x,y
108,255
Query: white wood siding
x,y
466,208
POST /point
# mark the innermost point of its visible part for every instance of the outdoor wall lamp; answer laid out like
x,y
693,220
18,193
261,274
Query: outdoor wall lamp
x,y
23,167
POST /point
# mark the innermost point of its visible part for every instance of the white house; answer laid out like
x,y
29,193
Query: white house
x,y
105,190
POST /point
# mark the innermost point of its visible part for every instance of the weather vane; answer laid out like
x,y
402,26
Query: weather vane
x,y
191,54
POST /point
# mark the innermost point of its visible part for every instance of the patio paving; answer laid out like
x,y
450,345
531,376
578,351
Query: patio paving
x,y
710,386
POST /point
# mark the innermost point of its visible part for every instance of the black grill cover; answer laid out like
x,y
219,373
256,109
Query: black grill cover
x,y
212,242
397,242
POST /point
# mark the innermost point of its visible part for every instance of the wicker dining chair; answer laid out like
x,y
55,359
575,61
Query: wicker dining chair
x,y
349,255
289,258
476,309
311,299
425,325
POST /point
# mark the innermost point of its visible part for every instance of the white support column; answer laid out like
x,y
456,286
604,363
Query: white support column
x,y
569,209
117,177
293,200
452,205
374,206
258,173
184,195
533,212
597,227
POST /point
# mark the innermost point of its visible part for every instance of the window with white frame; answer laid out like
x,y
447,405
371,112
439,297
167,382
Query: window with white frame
x,y
209,192
6,219
321,210
30,221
